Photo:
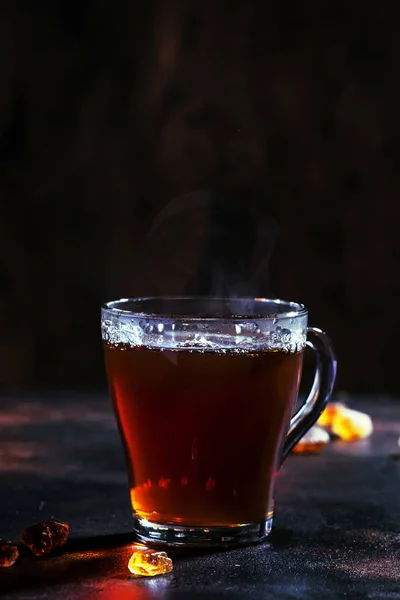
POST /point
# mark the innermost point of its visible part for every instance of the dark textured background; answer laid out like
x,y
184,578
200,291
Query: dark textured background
x,y
273,128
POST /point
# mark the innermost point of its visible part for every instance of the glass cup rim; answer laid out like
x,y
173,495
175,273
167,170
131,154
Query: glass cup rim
x,y
295,309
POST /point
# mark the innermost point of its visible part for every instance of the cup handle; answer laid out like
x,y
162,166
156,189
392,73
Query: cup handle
x,y
324,379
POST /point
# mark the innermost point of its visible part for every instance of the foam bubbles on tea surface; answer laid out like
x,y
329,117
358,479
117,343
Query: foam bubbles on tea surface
x,y
229,335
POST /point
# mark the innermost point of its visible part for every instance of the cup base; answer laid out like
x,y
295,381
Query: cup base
x,y
178,536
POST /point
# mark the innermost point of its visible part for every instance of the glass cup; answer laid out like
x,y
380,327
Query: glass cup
x,y
204,392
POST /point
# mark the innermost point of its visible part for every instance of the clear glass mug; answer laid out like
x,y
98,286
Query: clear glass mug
x,y
204,392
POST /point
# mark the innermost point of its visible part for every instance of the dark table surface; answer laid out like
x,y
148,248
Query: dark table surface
x,y
336,530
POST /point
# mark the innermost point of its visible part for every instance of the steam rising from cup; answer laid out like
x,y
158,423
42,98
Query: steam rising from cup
x,y
213,244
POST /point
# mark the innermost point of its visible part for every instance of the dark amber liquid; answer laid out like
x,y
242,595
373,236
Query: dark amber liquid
x,y
203,431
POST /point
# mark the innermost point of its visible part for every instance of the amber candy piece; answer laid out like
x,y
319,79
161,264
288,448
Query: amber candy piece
x,y
352,425
313,441
149,562
46,536
8,553
348,424
330,413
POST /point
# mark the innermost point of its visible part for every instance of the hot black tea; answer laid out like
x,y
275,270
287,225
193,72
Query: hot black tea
x,y
203,430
